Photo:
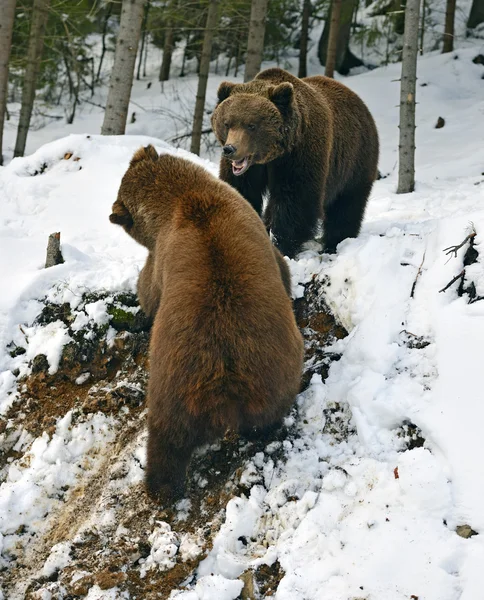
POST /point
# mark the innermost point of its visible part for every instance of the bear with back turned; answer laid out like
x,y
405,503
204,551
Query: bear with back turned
x,y
311,144
225,350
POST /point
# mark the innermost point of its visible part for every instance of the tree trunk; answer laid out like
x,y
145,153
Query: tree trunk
x,y
303,42
167,54
40,14
406,148
345,59
333,38
121,80
476,16
212,18
7,15
143,38
449,27
255,41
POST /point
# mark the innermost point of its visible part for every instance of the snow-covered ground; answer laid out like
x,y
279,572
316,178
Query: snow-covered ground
x,y
360,516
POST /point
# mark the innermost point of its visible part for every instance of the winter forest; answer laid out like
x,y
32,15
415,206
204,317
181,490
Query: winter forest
x,y
199,402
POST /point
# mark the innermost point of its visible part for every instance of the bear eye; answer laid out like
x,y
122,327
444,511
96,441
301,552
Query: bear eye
x,y
251,127
226,125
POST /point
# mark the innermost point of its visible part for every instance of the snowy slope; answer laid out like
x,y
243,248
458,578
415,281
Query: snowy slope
x,y
347,506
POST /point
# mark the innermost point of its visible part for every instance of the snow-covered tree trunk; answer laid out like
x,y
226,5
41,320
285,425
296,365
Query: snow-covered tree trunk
x,y
406,169
333,38
40,14
303,42
255,41
212,18
121,80
143,38
7,15
449,26
476,16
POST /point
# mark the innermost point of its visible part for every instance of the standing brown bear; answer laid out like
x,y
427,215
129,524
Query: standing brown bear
x,y
225,350
310,143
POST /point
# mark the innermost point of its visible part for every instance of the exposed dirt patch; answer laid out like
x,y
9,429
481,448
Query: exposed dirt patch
x,y
107,520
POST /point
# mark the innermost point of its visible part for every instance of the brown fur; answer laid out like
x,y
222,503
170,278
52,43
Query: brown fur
x,y
312,145
225,350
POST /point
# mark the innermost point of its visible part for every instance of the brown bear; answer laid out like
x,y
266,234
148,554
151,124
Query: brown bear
x,y
311,144
225,350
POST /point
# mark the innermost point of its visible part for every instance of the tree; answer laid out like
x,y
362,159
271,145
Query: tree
x,y
7,15
167,53
345,59
476,16
303,42
255,42
121,80
449,27
333,38
40,14
212,17
143,38
406,148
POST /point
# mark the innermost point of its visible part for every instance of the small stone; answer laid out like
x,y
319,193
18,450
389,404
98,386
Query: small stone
x,y
440,123
465,531
40,364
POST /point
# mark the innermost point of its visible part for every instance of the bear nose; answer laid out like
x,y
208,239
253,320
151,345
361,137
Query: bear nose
x,y
229,150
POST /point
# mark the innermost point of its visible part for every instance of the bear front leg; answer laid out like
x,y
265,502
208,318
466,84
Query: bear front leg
x,y
147,289
294,207
251,185
167,462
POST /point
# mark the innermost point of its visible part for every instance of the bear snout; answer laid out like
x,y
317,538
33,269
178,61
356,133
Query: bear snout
x,y
229,150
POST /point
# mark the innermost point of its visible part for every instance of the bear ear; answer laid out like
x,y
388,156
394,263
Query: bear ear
x,y
121,215
224,90
282,95
147,153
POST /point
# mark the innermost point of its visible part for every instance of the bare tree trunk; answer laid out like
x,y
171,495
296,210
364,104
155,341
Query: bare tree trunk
x,y
408,84
121,80
109,10
143,38
212,18
449,27
476,16
345,59
333,38
303,43
255,41
7,15
167,54
40,14
184,59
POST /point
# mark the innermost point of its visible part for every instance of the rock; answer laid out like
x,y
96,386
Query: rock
x,y
40,364
465,531
248,591
478,60
440,123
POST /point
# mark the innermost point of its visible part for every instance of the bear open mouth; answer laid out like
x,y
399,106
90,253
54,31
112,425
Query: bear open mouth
x,y
240,166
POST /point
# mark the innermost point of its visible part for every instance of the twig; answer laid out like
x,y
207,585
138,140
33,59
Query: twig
x,y
419,272
461,274
187,135
453,249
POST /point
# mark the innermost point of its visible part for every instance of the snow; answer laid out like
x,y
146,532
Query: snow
x,y
350,512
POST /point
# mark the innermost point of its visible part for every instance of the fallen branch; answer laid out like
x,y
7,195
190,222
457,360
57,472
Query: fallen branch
x,y
453,249
419,272
456,278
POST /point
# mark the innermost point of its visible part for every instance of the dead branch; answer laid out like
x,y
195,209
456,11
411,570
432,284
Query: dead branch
x,y
453,249
456,278
419,272
188,135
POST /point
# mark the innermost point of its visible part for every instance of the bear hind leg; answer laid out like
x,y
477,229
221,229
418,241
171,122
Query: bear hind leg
x,y
344,215
167,462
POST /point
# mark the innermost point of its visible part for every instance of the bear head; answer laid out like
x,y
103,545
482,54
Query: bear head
x,y
138,206
251,122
